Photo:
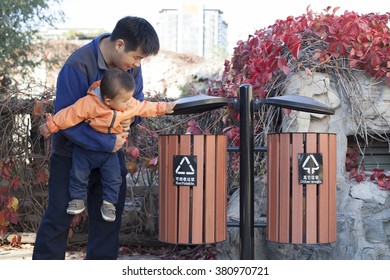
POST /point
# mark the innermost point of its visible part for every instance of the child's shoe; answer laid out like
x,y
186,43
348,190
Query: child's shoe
x,y
75,206
108,211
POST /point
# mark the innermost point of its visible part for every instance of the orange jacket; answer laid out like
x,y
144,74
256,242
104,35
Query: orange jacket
x,y
100,116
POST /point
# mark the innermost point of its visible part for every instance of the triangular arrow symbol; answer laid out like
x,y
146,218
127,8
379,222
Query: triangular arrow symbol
x,y
185,160
310,169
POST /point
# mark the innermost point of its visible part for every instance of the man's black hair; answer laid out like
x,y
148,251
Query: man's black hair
x,y
136,32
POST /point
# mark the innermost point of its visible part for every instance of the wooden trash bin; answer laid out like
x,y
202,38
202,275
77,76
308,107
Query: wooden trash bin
x,y
193,189
301,189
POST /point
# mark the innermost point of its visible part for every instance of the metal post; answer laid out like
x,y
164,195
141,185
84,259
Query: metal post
x,y
246,174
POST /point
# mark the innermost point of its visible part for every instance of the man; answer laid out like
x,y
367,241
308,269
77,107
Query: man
x,y
132,40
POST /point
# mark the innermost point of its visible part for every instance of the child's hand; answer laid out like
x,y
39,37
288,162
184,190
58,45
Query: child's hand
x,y
44,130
170,106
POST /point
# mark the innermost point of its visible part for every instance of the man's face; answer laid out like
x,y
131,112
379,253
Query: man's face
x,y
127,60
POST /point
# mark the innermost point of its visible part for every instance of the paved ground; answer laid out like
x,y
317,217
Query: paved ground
x,y
24,252
24,249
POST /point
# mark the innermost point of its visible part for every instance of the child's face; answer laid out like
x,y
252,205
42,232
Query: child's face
x,y
121,101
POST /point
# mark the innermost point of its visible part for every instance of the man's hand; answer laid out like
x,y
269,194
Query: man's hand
x,y
44,130
120,140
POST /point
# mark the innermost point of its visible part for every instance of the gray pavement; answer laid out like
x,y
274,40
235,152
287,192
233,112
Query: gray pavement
x,y
24,252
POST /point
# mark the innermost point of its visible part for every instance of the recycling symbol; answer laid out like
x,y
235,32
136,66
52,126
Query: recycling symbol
x,y
184,170
185,162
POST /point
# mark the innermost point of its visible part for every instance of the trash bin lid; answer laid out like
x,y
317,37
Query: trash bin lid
x,y
300,103
198,103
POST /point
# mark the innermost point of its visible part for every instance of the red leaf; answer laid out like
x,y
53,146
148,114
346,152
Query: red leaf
x,y
193,130
15,183
353,63
6,172
38,108
132,151
375,60
352,174
286,111
282,64
16,240
135,153
360,178
41,177
13,217
381,182
153,161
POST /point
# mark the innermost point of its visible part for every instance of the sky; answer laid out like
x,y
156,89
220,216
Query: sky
x,y
243,16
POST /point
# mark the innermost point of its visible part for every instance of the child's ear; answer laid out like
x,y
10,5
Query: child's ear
x,y
107,101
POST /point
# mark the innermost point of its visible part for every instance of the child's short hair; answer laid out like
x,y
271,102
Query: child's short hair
x,y
114,80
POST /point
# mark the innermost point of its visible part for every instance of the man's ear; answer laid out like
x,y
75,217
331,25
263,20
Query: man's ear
x,y
119,44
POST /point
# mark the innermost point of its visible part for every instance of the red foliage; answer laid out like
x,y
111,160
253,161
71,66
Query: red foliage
x,y
351,160
233,134
304,43
382,180
193,127
42,176
132,151
358,173
363,40
9,204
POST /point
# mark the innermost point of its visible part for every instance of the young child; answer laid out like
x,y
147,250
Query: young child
x,y
107,104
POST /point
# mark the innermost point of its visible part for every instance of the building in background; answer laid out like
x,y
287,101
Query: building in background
x,y
192,28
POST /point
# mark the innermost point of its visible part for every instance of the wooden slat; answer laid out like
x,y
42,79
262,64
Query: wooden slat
x,y
173,149
284,188
210,190
184,196
197,192
297,192
163,163
273,183
311,196
332,187
323,191
221,189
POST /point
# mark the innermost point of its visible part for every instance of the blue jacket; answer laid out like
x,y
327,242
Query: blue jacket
x,y
85,66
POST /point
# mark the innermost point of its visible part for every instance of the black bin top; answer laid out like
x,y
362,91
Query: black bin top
x,y
300,103
201,103
198,104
